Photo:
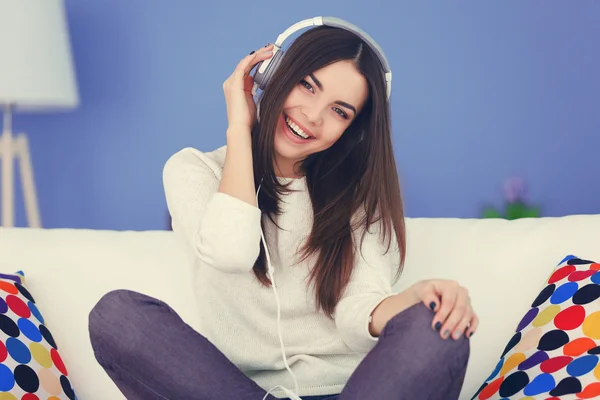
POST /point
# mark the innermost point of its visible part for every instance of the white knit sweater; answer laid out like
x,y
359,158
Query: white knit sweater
x,y
238,314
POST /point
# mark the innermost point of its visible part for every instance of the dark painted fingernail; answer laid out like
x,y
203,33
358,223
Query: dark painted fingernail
x,y
438,325
252,52
446,333
267,45
432,305
471,334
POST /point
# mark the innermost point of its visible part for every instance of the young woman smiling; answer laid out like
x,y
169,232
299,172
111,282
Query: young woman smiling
x,y
298,228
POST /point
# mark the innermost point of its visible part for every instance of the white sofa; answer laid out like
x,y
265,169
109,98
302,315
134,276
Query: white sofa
x,y
503,264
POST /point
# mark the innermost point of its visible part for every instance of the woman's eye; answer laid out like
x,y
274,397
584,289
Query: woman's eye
x,y
306,85
341,113
337,110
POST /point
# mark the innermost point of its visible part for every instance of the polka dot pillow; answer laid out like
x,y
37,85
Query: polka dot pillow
x,y
30,364
555,350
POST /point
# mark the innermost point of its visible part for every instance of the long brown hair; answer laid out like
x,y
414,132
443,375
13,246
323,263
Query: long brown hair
x,y
353,184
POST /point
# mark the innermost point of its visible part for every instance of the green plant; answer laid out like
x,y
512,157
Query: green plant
x,y
516,204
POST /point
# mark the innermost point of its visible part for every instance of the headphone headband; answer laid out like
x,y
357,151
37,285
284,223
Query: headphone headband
x,y
264,73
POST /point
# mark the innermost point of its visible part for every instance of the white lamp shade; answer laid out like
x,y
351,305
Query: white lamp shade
x,y
36,66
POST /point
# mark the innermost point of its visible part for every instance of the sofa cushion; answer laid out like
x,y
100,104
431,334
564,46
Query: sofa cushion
x,y
69,270
555,349
31,366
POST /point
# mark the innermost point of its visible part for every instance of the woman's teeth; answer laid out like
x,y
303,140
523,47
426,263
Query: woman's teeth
x,y
296,129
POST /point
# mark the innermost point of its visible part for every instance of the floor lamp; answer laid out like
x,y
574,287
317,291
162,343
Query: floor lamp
x,y
36,75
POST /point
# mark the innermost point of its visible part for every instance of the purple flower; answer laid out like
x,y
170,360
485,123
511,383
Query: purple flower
x,y
515,190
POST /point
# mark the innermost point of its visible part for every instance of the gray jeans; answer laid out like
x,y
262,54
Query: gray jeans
x,y
151,354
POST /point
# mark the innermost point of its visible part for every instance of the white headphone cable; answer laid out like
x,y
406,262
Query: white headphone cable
x,y
270,271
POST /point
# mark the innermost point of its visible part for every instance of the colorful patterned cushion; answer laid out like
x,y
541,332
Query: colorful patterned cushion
x,y
31,367
555,349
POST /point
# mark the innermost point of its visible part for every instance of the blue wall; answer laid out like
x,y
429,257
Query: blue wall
x,y
482,91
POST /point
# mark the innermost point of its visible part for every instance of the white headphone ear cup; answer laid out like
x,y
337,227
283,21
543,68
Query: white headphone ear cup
x,y
262,78
258,110
259,77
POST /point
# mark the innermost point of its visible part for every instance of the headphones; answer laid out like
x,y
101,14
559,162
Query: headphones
x,y
267,68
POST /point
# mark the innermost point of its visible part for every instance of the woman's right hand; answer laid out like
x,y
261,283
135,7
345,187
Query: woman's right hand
x,y
241,109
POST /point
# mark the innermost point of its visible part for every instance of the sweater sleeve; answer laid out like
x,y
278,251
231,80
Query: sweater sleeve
x,y
223,230
370,283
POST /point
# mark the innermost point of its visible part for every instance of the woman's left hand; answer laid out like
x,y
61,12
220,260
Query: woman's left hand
x,y
454,315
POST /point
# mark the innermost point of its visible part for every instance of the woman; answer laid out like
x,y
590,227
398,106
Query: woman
x,y
315,174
